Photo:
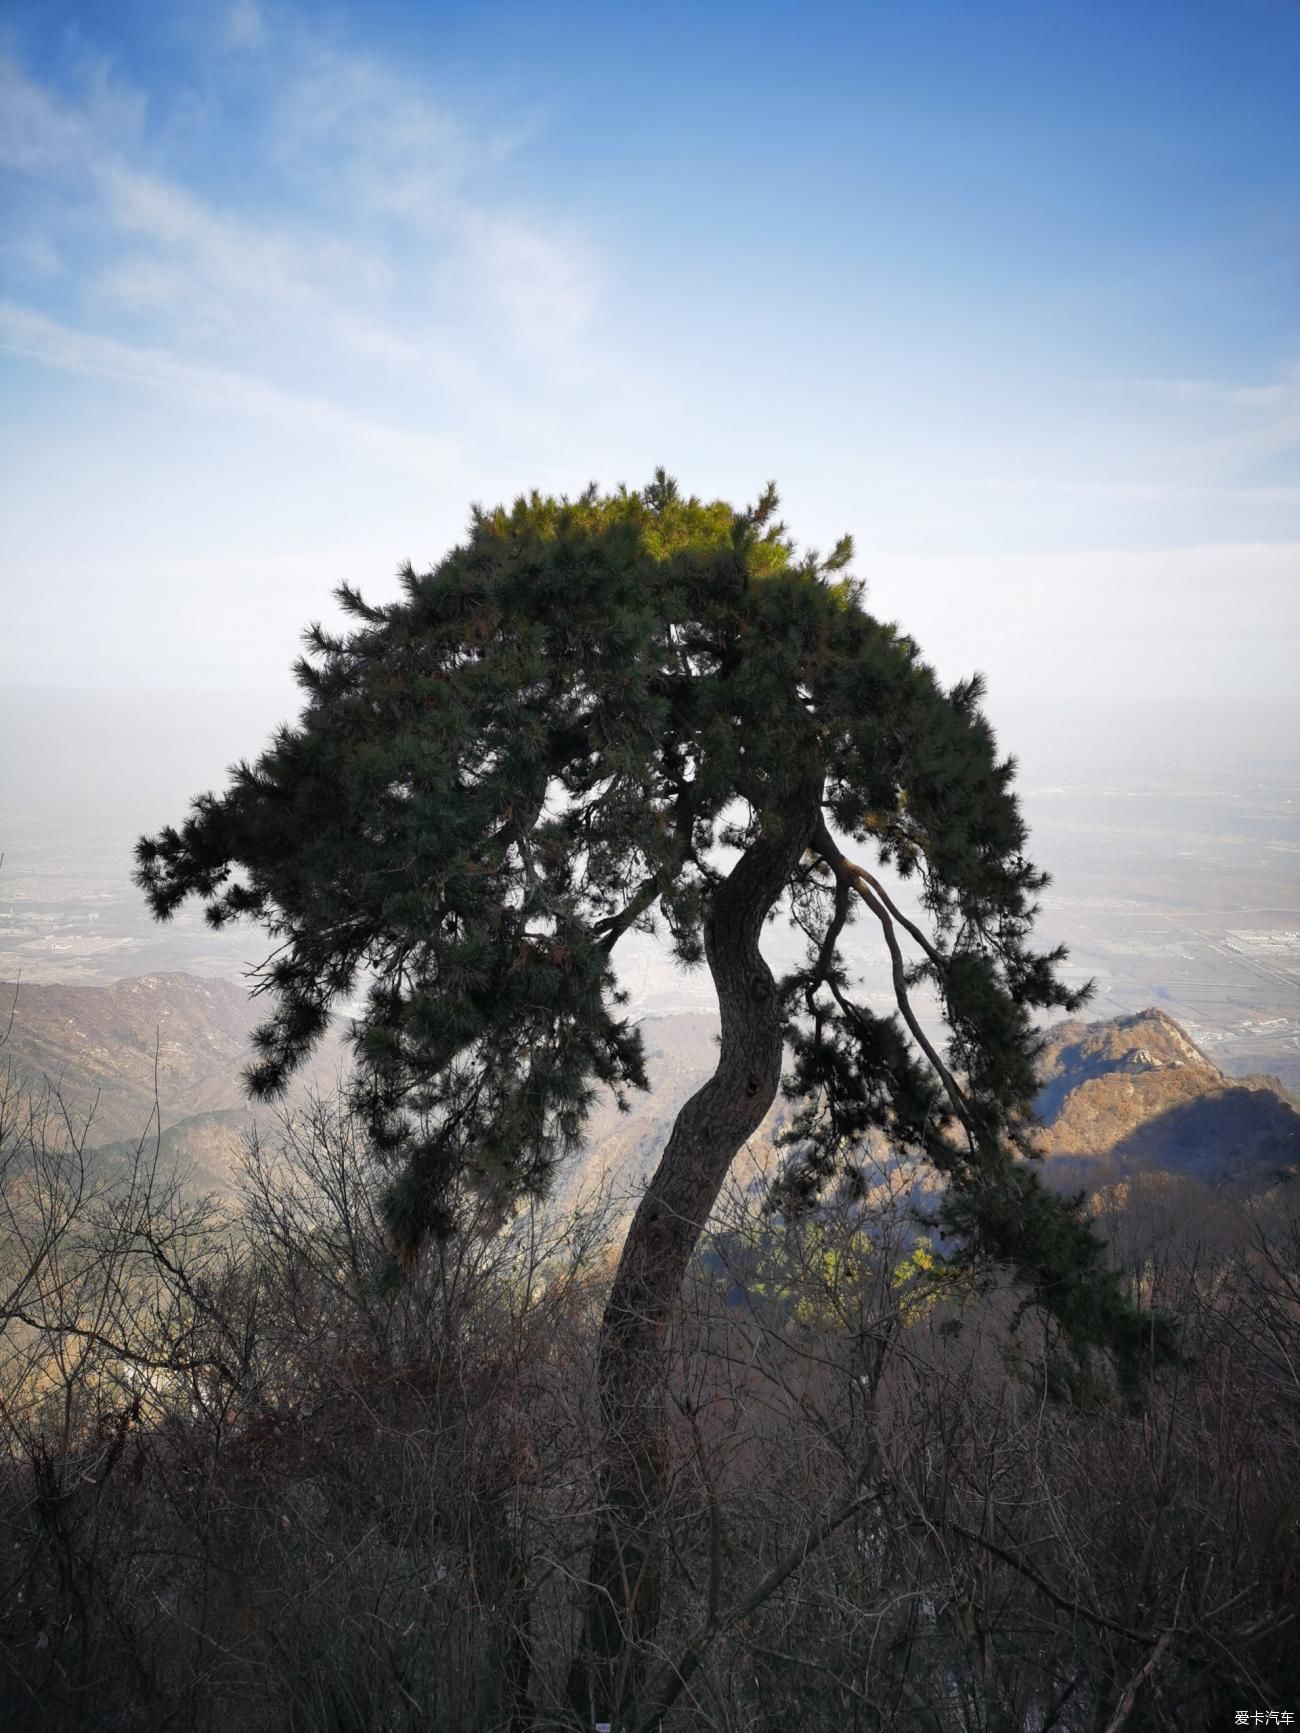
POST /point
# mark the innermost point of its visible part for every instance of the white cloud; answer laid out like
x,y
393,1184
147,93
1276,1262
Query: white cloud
x,y
1223,424
217,256
30,334
375,135
546,290
115,108
37,134
395,261
245,25
44,136
401,158
30,254
141,285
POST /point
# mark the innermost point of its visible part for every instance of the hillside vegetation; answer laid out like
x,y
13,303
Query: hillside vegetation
x,y
247,1486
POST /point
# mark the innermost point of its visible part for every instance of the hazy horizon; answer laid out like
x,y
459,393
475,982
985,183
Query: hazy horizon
x,y
1171,833
1010,293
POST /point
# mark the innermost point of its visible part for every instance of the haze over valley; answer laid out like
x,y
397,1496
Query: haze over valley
x,y
1172,834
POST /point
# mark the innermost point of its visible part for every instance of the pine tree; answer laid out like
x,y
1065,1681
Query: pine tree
x,y
539,748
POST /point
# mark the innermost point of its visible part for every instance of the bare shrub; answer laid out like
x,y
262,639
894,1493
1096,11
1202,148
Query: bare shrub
x,y
248,1483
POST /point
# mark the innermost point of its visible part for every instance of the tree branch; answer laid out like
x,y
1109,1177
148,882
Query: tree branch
x,y
862,882
670,1678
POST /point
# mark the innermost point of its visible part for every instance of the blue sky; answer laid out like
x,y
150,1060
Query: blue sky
x,y
1009,291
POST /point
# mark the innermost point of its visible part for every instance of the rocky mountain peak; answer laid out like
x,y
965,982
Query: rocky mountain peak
x,y
1138,1090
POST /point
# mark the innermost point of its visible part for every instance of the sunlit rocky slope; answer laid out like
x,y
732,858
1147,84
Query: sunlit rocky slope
x,y
1138,1092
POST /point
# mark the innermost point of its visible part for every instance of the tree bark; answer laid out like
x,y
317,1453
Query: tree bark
x,y
626,1578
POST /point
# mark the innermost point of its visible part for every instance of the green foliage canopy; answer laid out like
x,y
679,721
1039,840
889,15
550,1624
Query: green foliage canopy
x,y
538,747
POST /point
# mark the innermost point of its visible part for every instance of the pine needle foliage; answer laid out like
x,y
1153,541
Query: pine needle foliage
x,y
538,747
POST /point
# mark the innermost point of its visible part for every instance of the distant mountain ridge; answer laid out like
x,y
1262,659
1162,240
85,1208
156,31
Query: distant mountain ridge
x,y
1132,1092
1138,1092
108,1050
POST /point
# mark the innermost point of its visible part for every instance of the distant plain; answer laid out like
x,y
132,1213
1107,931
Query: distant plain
x,y
1173,839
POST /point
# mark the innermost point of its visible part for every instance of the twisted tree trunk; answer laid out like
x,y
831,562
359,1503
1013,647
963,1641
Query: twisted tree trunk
x,y
626,1574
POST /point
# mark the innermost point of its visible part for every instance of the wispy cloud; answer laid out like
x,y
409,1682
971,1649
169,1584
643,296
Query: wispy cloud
x,y
545,291
43,134
245,26
410,162
30,255
1227,424
35,337
382,141
396,265
38,134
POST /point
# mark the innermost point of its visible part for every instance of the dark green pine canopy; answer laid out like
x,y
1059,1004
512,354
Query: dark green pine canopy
x,y
539,747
